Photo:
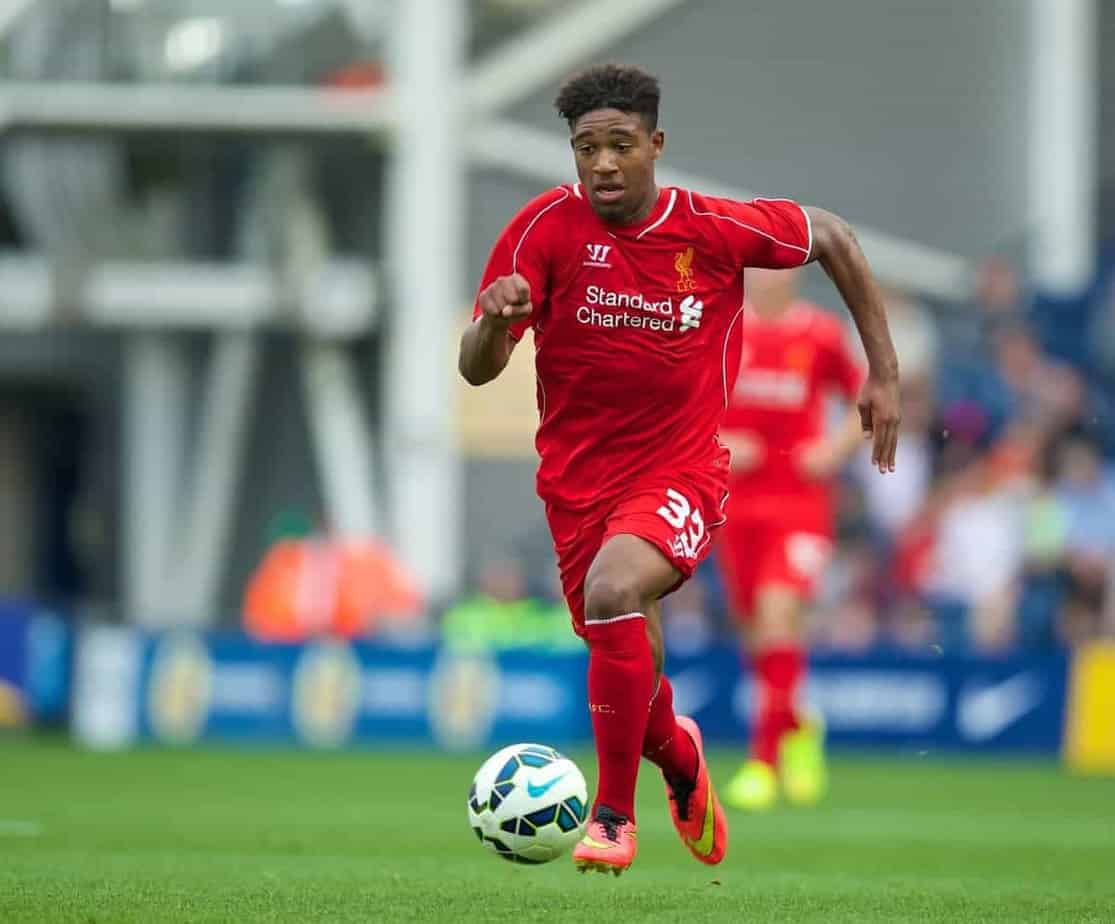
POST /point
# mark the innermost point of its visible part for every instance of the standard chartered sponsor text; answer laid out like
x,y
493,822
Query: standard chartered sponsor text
x,y
653,314
586,315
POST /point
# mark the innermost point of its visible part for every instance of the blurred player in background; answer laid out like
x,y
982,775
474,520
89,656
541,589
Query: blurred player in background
x,y
634,292
778,537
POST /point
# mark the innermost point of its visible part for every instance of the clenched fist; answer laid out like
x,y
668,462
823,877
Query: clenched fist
x,y
506,300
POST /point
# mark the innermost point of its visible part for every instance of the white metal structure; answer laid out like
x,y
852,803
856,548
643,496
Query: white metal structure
x,y
342,439
167,107
335,300
426,199
528,62
194,572
1064,132
156,382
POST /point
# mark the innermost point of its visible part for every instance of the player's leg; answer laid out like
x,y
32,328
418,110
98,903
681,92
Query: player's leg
x,y
785,740
653,541
666,744
625,579
623,584
782,664
673,743
672,517
775,640
743,549
772,643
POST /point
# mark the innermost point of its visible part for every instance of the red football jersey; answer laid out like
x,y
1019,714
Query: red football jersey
x,y
636,329
789,364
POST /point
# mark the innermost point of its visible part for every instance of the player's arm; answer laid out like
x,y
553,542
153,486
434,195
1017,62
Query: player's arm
x,y
835,247
827,456
841,372
517,272
746,448
487,343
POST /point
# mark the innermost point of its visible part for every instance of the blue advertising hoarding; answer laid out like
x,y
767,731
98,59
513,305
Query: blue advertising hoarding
x,y
932,703
34,664
183,688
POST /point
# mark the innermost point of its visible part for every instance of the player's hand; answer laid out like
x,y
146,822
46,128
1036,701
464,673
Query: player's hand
x,y
818,460
506,300
880,414
746,448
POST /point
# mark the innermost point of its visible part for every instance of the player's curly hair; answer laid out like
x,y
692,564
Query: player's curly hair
x,y
610,86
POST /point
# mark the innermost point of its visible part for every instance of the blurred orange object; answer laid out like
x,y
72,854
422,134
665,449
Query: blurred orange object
x,y
360,75
316,586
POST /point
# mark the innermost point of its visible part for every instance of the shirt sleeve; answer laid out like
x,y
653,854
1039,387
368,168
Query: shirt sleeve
x,y
765,233
522,248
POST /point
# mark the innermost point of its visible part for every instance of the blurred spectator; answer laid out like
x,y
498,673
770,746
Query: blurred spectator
x,y
845,615
893,501
1043,549
915,336
997,290
976,557
1043,392
1101,334
967,327
969,388
1085,493
311,585
500,616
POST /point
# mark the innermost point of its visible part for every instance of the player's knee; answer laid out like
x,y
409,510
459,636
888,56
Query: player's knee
x,y
778,616
609,596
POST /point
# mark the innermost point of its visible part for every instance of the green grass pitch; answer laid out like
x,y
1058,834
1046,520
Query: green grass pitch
x,y
237,836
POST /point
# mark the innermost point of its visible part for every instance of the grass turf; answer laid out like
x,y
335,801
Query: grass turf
x,y
154,836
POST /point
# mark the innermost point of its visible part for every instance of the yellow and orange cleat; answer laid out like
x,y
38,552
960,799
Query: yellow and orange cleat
x,y
609,844
754,788
801,762
698,817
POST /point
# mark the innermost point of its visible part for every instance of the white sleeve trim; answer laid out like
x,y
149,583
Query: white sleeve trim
x,y
809,227
533,221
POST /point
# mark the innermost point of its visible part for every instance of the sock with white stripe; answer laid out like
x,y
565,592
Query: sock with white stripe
x,y
620,684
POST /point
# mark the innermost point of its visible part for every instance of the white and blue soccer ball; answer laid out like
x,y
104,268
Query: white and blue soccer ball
x,y
528,803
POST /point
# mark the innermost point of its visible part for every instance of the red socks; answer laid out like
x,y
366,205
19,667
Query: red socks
x,y
620,684
778,674
665,744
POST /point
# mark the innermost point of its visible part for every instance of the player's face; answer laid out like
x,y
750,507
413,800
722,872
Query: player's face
x,y
615,154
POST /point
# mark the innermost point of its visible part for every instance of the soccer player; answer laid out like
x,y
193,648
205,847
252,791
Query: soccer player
x,y
634,293
779,533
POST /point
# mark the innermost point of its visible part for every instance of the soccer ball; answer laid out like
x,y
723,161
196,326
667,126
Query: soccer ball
x,y
528,804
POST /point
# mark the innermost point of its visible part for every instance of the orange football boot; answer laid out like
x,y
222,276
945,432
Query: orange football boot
x,y
609,844
696,811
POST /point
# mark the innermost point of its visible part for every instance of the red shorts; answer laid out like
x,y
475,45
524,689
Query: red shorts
x,y
789,548
677,514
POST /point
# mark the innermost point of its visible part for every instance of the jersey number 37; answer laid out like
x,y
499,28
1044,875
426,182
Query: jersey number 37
x,y
684,517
